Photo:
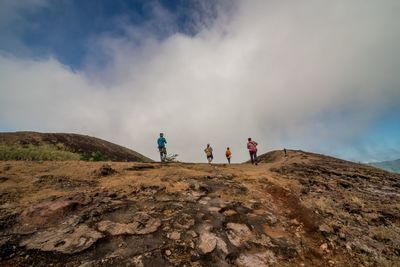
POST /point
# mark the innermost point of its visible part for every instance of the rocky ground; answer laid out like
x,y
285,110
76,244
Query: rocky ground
x,y
301,210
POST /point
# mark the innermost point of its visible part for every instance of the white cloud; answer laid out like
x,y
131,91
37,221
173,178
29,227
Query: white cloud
x,y
308,71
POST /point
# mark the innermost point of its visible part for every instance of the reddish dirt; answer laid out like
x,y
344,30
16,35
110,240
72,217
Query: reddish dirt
x,y
300,210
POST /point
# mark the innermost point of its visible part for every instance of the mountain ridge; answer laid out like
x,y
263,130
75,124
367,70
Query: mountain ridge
x,y
389,165
63,146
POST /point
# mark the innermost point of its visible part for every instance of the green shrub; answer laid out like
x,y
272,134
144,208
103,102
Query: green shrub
x,y
85,157
98,156
94,156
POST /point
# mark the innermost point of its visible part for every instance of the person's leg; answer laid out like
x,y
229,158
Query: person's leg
x,y
251,157
255,158
163,154
229,160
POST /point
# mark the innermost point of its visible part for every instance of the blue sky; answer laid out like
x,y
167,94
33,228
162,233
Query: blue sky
x,y
312,75
64,28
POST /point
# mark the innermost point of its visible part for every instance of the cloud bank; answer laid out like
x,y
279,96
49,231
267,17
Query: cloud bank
x,y
305,74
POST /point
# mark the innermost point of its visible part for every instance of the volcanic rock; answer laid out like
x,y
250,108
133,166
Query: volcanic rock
x,y
142,224
238,233
66,239
46,213
208,242
260,259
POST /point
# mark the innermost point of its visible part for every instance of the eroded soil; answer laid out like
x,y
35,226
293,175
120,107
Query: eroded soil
x,y
290,211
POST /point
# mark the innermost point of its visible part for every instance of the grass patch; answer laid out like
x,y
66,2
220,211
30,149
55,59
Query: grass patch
x,y
95,156
31,152
383,233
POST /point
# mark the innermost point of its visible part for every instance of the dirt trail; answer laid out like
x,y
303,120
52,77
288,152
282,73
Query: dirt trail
x,y
151,214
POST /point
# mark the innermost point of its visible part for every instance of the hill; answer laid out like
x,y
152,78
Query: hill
x,y
62,146
391,166
301,210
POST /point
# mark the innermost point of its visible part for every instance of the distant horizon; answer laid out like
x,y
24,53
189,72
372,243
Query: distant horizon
x,y
318,76
204,160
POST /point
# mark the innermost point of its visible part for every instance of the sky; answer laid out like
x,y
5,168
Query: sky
x,y
321,76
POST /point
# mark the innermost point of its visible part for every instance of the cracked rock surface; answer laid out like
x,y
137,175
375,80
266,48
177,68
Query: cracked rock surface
x,y
300,210
67,239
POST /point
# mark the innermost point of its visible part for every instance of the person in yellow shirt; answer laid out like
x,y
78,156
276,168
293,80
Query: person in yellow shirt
x,y
228,155
209,153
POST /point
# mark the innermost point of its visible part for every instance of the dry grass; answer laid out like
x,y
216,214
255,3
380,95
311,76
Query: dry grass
x,y
38,153
383,233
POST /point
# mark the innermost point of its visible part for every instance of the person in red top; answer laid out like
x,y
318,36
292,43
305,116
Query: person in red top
x,y
252,147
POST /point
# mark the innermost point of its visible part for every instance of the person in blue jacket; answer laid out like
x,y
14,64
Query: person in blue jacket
x,y
161,147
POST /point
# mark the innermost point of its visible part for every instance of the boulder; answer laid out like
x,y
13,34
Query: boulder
x,y
106,170
114,228
46,213
208,242
66,239
174,235
260,259
142,224
238,233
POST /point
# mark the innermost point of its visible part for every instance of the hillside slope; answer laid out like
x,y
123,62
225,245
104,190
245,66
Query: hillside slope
x,y
391,166
62,146
301,210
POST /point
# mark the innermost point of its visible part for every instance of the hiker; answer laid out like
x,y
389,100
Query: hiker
x,y
209,153
228,155
252,147
161,147
285,151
